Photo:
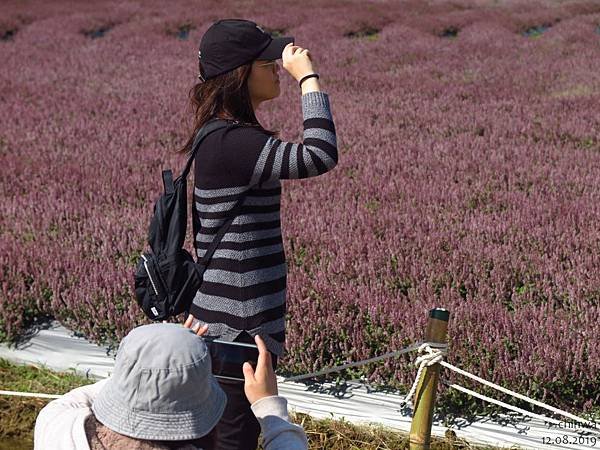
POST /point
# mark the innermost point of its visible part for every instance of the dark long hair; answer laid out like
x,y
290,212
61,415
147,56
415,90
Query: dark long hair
x,y
226,96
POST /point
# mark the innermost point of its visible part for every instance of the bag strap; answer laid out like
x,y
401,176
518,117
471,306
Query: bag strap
x,y
167,176
209,127
222,231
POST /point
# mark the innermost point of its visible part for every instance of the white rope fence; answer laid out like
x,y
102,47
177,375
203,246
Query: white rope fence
x,y
410,348
432,357
29,394
434,354
511,407
514,394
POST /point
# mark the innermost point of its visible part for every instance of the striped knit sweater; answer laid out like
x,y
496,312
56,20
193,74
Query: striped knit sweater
x,y
244,286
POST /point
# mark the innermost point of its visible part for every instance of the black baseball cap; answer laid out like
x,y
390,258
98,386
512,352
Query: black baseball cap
x,y
230,43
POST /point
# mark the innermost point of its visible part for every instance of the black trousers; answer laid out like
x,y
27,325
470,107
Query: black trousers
x,y
238,428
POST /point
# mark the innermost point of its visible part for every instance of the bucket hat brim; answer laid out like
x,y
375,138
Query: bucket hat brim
x,y
191,423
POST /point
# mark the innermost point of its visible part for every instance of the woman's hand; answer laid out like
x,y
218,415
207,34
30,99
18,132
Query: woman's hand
x,y
297,61
261,382
194,324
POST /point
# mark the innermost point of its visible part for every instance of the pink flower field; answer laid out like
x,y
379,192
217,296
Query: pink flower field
x,y
468,177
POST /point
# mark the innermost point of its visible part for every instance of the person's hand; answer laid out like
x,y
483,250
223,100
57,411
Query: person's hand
x,y
262,382
297,61
194,324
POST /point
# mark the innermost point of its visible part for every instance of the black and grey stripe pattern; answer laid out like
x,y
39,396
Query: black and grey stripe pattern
x,y
244,286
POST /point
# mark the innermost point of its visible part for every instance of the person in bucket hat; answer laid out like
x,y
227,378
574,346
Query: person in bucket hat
x,y
161,395
238,181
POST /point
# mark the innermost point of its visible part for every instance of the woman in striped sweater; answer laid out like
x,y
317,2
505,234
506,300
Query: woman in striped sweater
x,y
244,287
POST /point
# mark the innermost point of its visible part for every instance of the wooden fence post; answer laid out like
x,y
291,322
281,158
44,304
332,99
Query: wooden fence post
x,y
420,428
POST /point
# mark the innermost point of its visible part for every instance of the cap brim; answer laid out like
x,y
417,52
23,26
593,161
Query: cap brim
x,y
275,48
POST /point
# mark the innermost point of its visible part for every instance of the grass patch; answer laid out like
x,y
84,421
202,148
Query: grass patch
x,y
97,32
8,35
181,31
341,435
450,32
17,416
364,32
537,31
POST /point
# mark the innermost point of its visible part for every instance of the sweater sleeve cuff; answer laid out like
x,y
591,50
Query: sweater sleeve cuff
x,y
316,98
273,405
315,104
